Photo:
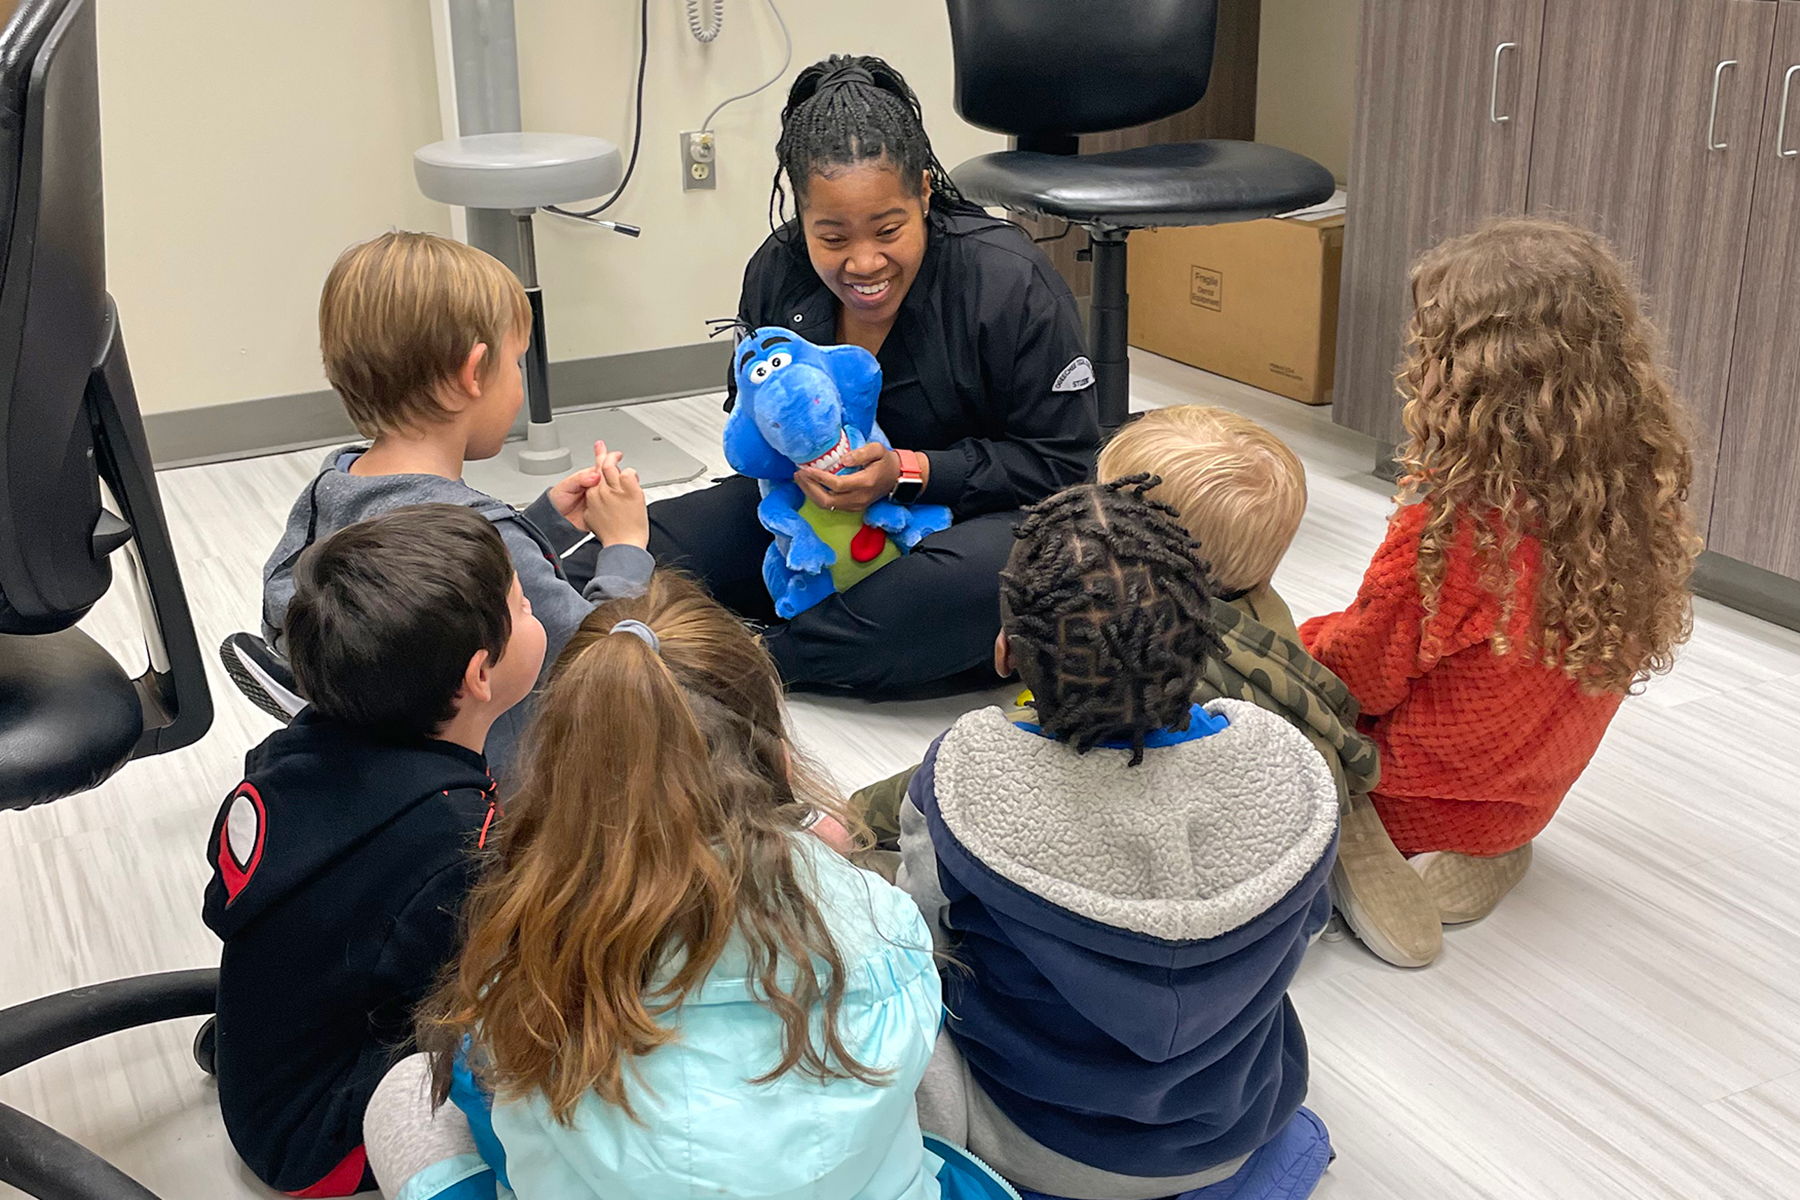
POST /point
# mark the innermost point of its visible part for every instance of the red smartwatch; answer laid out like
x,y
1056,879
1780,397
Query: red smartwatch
x,y
912,477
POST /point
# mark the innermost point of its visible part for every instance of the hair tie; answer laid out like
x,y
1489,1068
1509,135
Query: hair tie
x,y
641,631
846,74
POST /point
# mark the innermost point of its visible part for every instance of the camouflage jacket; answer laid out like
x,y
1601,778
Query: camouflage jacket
x,y
1265,664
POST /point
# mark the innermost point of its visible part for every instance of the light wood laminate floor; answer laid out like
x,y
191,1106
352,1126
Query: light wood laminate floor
x,y
1627,1024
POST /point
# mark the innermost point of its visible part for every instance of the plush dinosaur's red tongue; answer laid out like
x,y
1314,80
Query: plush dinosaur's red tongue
x,y
867,545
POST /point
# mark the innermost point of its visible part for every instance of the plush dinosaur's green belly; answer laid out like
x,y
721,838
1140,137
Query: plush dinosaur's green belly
x,y
861,549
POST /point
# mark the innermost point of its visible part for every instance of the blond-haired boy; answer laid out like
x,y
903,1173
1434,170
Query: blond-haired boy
x,y
421,338
1241,493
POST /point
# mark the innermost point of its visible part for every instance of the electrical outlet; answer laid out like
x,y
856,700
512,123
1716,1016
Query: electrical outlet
x,y
699,165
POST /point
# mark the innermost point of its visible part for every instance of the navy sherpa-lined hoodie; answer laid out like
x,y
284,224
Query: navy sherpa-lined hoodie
x,y
1123,1026
340,865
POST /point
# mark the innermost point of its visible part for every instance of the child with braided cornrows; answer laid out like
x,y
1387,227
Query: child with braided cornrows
x,y
1127,881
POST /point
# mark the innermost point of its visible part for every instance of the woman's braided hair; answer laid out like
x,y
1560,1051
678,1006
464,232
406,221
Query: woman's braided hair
x,y
847,110
1108,608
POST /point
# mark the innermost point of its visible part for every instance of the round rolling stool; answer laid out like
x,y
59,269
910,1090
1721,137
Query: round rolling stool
x,y
519,173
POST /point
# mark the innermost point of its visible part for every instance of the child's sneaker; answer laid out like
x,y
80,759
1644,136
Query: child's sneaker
x,y
1467,888
262,675
1386,905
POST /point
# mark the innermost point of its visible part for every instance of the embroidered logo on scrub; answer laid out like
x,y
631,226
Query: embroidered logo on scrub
x,y
241,840
1078,375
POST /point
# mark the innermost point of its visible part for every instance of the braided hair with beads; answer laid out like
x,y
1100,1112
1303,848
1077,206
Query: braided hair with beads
x,y
1107,607
848,110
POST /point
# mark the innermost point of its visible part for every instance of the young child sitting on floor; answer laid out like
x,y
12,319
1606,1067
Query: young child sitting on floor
x,y
422,337
1127,884
1240,492
669,986
1538,566
341,861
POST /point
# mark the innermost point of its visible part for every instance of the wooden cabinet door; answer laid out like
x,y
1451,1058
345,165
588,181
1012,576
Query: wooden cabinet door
x,y
1629,142
1443,139
1756,509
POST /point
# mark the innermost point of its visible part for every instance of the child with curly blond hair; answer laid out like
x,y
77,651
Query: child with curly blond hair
x,y
1538,566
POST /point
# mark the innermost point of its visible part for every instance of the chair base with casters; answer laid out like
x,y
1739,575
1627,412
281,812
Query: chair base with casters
x,y
519,173
37,1159
1042,71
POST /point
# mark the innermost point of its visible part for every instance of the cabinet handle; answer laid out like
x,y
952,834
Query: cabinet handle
x,y
1712,121
1787,83
1494,90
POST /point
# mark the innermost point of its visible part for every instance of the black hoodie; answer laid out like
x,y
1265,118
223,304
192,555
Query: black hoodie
x,y
339,868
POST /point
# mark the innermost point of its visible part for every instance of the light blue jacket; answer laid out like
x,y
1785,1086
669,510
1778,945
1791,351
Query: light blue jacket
x,y
704,1130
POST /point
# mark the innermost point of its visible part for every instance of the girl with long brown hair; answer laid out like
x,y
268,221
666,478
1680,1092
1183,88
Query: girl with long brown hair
x,y
1537,569
668,985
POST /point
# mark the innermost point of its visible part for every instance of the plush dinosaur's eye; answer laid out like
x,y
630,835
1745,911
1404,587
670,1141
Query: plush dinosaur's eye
x,y
778,360
760,372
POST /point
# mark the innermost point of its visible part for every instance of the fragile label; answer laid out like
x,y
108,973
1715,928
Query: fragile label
x,y
1206,289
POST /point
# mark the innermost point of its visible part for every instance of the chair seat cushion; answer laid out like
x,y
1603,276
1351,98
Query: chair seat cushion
x,y
1181,183
517,170
69,717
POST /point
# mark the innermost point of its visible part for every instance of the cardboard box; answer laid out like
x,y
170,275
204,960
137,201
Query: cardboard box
x,y
1256,301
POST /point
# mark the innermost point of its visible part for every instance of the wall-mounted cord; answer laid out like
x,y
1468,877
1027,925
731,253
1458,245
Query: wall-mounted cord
x,y
787,57
707,32
615,226
637,129
637,134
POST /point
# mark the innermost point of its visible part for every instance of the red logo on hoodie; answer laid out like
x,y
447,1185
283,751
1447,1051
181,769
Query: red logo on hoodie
x,y
241,837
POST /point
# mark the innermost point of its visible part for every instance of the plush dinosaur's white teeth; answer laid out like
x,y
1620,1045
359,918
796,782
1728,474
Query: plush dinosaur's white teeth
x,y
829,460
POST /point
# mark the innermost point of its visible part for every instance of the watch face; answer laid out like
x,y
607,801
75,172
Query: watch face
x,y
908,491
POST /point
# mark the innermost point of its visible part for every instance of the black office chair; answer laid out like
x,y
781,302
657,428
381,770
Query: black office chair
x,y
69,714
1046,71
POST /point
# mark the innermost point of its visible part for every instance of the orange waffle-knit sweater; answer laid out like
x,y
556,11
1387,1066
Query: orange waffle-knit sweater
x,y
1477,750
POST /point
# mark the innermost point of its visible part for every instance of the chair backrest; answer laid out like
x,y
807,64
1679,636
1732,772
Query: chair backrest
x,y
1045,70
68,413
52,313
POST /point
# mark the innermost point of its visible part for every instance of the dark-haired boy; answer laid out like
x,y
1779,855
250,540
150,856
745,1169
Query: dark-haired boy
x,y
1130,879
341,862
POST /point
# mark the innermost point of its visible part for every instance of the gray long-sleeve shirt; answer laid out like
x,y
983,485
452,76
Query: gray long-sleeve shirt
x,y
563,582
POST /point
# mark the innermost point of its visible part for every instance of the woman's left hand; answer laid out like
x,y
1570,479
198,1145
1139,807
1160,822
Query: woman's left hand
x,y
878,471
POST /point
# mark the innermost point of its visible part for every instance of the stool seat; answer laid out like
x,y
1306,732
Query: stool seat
x,y
517,170
69,716
1182,183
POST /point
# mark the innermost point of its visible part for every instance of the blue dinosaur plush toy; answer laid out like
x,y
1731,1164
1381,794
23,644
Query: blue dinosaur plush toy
x,y
804,405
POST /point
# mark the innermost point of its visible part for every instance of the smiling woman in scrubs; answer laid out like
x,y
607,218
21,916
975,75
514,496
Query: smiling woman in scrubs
x,y
987,393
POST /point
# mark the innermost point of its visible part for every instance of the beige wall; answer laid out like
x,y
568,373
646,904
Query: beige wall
x,y
1305,76
246,144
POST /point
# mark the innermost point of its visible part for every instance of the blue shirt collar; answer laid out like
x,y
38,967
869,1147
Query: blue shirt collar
x,y
1200,724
